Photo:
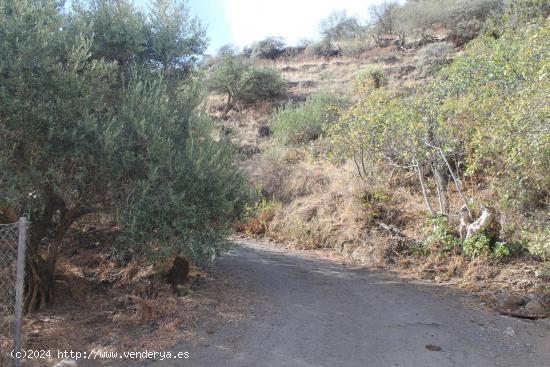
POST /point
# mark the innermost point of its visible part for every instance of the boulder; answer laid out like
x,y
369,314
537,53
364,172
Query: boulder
x,y
534,307
509,302
370,254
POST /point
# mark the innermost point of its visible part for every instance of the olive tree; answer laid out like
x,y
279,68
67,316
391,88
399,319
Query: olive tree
x,y
240,82
81,132
174,38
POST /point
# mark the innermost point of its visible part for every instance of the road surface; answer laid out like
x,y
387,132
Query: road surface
x,y
311,313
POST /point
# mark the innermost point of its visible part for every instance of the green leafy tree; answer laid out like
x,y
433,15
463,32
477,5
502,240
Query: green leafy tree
x,y
240,82
184,190
82,133
174,38
119,32
54,108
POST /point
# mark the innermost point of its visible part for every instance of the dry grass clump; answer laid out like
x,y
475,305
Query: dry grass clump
x,y
335,209
283,176
455,266
303,229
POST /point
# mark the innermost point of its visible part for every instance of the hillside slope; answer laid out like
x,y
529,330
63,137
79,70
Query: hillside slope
x,y
312,202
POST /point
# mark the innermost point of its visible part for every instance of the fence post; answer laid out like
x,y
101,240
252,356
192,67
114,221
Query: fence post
x,y
19,282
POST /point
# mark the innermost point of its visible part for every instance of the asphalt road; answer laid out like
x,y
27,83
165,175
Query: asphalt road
x,y
311,313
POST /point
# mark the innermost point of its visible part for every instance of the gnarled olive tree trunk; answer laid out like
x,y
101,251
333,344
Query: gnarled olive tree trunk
x,y
46,233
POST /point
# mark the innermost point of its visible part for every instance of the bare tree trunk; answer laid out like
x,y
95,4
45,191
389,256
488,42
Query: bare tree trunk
x,y
228,107
44,249
363,162
440,179
358,167
40,284
424,192
439,197
455,180
465,221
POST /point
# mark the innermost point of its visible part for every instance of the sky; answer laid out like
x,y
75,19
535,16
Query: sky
x,y
241,22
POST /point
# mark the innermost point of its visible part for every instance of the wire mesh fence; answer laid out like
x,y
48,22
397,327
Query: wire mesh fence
x,y
12,253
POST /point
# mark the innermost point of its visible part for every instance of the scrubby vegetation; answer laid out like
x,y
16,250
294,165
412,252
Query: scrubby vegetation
x,y
415,22
447,121
416,139
474,119
299,124
433,56
373,75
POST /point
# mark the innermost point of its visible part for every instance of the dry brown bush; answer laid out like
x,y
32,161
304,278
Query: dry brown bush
x,y
283,177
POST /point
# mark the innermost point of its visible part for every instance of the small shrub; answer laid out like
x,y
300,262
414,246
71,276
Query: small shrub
x,y
300,124
440,238
377,204
371,74
539,242
354,48
240,82
382,197
257,216
322,49
465,31
467,19
433,57
504,250
373,197
501,251
265,84
477,245
270,48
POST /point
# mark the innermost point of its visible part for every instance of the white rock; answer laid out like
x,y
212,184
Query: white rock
x,y
66,363
509,331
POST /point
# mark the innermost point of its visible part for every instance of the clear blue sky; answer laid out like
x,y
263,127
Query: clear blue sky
x,y
212,15
242,22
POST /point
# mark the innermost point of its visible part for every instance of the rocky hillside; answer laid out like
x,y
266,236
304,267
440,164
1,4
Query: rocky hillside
x,y
313,199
